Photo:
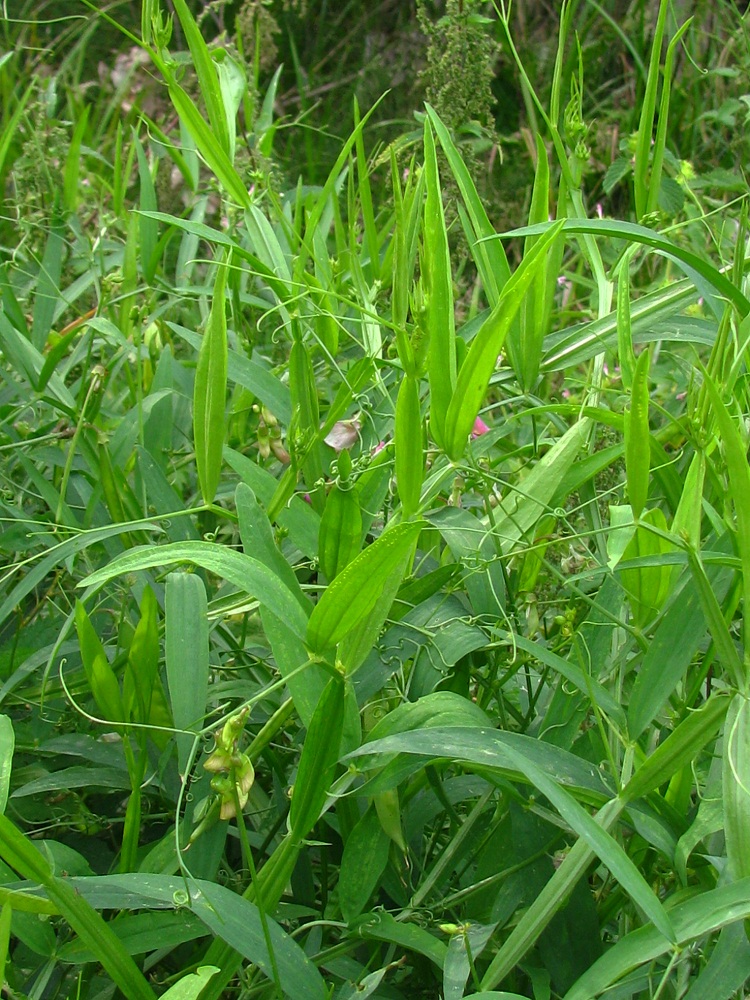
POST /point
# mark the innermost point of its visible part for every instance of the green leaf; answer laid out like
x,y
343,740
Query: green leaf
x,y
7,745
637,446
381,926
190,986
679,748
99,674
210,393
247,574
691,919
20,854
438,282
208,80
231,918
693,265
362,864
356,590
736,786
318,761
490,258
481,361
186,652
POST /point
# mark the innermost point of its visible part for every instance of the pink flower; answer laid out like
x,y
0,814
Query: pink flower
x,y
378,447
479,428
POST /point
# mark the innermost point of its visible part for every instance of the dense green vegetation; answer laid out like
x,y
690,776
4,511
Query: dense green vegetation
x,y
374,417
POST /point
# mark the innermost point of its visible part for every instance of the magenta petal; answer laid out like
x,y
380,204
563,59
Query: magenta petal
x,y
479,428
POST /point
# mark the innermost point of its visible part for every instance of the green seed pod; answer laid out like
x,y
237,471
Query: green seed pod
x,y
409,453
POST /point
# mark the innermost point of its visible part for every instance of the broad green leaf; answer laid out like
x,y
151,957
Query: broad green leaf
x,y
186,652
441,709
210,393
486,748
242,571
356,590
362,864
381,926
191,985
141,933
231,918
474,375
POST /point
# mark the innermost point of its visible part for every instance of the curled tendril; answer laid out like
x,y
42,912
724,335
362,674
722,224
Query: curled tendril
x,y
180,898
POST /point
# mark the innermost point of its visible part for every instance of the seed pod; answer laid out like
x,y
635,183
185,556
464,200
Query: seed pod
x,y
409,453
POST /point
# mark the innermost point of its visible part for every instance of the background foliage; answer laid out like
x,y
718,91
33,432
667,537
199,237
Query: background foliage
x,y
373,436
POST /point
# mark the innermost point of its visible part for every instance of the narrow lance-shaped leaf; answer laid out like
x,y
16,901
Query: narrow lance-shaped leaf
x,y
605,846
624,326
660,140
490,258
648,109
99,674
735,452
207,76
525,337
480,363
436,271
7,744
318,760
736,786
209,398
